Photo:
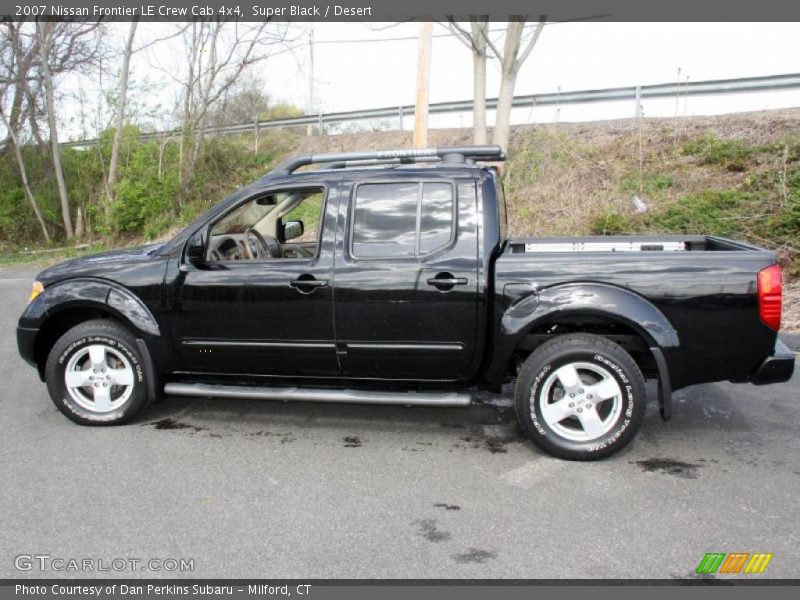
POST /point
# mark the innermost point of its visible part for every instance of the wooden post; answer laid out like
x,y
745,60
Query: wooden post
x,y
423,82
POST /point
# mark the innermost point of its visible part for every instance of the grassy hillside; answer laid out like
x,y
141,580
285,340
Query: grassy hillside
x,y
736,176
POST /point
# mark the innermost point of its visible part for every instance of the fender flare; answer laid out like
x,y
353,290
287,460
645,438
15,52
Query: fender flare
x,y
591,299
595,299
88,292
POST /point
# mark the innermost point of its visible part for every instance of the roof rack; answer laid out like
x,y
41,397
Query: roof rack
x,y
343,160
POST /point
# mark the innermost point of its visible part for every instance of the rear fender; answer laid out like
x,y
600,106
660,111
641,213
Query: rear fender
x,y
526,308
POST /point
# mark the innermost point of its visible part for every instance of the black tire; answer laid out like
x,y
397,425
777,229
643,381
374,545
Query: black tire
x,y
120,351
590,356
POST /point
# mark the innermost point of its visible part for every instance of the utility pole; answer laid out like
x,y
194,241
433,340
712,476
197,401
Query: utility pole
x,y
423,83
310,110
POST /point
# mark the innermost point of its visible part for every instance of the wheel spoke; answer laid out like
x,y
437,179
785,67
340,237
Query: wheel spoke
x,y
607,388
75,379
591,422
97,354
102,398
557,411
120,376
568,376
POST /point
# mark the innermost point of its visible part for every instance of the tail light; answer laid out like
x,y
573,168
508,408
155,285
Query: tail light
x,y
770,291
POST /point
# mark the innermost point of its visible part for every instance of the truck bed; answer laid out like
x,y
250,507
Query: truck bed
x,y
660,243
704,285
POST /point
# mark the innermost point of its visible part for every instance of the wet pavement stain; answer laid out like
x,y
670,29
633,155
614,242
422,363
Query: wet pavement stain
x,y
351,441
496,446
284,437
452,426
669,466
475,555
431,532
173,424
447,506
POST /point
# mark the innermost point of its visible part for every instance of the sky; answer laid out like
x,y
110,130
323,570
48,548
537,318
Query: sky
x,y
351,73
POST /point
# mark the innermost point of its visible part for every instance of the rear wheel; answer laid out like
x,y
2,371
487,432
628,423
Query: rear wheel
x,y
95,375
580,397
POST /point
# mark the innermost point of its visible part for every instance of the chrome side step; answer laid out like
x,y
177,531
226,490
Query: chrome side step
x,y
319,395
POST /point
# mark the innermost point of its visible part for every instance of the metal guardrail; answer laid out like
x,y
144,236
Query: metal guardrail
x,y
636,93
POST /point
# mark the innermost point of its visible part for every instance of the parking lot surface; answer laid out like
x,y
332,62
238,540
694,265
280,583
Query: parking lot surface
x,y
297,490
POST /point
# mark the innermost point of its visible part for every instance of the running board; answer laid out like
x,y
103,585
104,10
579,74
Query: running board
x,y
319,395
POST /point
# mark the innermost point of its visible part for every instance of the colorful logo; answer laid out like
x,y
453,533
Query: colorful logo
x,y
733,563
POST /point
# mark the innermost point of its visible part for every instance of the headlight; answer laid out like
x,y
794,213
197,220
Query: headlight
x,y
37,289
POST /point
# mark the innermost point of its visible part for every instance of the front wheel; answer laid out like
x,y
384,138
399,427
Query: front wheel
x,y
95,374
580,397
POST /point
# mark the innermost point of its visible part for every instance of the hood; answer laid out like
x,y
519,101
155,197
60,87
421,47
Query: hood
x,y
98,264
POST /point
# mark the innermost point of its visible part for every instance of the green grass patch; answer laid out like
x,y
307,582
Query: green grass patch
x,y
733,155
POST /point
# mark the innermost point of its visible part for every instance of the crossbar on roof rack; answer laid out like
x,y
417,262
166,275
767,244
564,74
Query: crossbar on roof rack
x,y
454,154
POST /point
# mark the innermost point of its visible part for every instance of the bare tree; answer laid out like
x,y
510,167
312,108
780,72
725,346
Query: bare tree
x,y
511,59
13,141
16,61
218,53
119,116
475,40
63,46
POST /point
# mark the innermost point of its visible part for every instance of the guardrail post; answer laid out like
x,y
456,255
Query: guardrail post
x,y
255,145
638,112
320,124
400,118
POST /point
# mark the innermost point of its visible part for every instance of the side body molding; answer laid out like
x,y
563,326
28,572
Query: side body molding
x,y
88,292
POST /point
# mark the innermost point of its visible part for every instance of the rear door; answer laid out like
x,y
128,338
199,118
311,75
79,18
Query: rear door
x,y
406,282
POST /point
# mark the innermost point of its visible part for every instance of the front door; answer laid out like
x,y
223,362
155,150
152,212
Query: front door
x,y
262,304
406,289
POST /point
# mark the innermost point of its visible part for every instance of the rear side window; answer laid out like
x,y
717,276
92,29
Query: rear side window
x,y
402,220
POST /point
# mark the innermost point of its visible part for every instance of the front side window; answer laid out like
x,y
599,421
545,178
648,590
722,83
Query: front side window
x,y
402,220
280,224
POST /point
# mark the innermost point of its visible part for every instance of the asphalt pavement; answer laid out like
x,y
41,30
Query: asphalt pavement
x,y
273,490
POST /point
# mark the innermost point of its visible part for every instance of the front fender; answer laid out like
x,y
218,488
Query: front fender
x,y
88,292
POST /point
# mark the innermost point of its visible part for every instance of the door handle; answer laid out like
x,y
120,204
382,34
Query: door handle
x,y
446,281
306,284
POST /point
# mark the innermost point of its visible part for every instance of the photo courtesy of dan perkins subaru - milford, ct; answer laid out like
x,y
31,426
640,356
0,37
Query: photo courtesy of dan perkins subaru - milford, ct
x,y
388,277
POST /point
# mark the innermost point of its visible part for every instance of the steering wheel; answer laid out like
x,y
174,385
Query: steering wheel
x,y
263,246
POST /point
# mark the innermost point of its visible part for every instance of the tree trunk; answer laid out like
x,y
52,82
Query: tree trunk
x,y
119,117
479,81
23,174
79,223
47,79
508,79
502,122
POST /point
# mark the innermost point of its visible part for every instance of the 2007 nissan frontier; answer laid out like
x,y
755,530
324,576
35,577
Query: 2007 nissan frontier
x,y
388,277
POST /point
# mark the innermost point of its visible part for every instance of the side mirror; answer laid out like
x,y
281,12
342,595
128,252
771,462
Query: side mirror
x,y
292,230
195,249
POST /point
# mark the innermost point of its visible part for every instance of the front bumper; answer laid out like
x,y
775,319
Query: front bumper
x,y
26,341
776,368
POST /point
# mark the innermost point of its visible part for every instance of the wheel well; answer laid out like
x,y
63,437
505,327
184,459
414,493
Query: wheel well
x,y
627,337
61,322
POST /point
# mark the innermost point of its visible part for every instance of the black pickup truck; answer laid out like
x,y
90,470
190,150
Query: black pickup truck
x,y
388,277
